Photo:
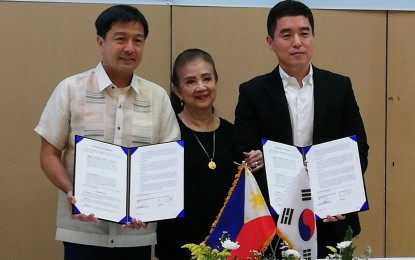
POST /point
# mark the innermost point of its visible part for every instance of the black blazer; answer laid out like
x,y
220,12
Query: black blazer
x,y
262,112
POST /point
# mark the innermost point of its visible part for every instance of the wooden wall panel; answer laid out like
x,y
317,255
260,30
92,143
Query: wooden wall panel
x,y
235,37
400,179
42,44
353,43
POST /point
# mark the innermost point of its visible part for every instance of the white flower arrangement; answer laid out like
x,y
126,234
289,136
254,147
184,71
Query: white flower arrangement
x,y
343,251
229,245
344,244
291,254
346,248
340,254
205,252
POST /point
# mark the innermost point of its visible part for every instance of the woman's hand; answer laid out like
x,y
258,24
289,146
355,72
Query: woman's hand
x,y
254,160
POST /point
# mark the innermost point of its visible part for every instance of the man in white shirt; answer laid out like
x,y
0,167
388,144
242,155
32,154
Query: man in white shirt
x,y
112,104
299,104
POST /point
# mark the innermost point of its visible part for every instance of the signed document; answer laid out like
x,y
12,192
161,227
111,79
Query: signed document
x,y
336,178
117,183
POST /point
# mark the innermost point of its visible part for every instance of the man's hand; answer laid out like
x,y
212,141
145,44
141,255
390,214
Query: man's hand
x,y
81,217
136,224
334,218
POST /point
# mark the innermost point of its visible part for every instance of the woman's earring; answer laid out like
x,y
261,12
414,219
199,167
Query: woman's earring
x,y
181,102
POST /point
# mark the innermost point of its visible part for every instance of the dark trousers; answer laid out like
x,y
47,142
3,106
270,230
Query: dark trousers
x,y
86,252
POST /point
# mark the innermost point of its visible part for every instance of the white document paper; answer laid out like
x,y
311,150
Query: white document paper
x,y
282,163
157,182
117,183
334,170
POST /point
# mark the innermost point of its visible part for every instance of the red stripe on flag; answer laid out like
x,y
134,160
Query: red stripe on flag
x,y
253,236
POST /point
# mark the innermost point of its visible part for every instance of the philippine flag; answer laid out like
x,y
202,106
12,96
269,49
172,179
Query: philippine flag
x,y
297,221
245,218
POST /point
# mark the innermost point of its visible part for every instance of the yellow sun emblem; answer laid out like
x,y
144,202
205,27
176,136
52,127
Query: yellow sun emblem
x,y
257,201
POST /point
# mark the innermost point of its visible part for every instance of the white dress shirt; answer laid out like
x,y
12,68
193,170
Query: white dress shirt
x,y
301,106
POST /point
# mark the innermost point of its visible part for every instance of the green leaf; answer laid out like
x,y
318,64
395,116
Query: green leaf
x,y
332,249
349,234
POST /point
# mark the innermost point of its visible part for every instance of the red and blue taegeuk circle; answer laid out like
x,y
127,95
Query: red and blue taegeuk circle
x,y
306,224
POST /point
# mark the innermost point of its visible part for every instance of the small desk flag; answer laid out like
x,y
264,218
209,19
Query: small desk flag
x,y
244,218
297,221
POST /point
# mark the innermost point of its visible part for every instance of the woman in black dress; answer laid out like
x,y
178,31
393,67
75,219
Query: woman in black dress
x,y
209,169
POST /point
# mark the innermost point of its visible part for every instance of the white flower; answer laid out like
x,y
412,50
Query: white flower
x,y
229,245
291,252
343,244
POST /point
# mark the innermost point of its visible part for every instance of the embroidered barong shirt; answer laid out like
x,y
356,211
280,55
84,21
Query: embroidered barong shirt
x,y
90,105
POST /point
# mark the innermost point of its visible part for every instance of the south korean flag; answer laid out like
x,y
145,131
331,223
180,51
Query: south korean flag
x,y
297,221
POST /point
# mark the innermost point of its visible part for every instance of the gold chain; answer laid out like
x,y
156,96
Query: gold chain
x,y
211,164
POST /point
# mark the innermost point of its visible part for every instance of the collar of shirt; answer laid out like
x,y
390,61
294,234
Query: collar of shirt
x,y
104,81
288,79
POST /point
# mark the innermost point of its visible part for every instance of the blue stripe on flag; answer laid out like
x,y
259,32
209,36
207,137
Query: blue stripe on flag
x,y
232,218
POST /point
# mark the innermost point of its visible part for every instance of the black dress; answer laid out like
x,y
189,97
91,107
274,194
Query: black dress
x,y
205,190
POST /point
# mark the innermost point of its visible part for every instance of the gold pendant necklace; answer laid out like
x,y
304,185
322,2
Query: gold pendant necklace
x,y
211,164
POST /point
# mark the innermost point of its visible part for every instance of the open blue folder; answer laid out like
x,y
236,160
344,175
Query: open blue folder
x,y
118,183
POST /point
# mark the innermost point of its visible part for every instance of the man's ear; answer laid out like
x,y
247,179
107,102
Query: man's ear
x,y
269,42
100,41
